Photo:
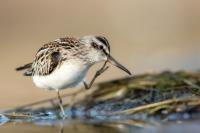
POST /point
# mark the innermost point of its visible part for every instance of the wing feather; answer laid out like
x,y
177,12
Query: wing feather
x,y
50,56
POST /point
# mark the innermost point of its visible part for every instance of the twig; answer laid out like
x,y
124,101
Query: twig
x,y
150,106
191,84
17,115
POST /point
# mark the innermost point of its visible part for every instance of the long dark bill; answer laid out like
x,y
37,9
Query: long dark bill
x,y
117,64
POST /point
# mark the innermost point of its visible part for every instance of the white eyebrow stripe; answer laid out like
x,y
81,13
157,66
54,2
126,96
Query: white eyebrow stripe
x,y
104,41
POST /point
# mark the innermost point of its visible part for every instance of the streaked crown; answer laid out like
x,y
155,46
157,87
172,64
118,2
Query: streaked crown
x,y
97,42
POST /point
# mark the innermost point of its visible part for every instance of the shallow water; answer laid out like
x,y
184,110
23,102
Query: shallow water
x,y
76,126
179,123
83,125
58,128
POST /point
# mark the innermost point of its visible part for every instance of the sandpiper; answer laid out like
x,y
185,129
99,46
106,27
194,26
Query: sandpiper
x,y
64,63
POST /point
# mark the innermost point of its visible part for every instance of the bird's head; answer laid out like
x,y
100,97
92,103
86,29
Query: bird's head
x,y
100,51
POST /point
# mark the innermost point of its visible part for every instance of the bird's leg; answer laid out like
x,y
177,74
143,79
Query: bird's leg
x,y
60,104
97,74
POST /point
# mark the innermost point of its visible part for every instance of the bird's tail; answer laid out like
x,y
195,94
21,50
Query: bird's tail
x,y
24,67
27,67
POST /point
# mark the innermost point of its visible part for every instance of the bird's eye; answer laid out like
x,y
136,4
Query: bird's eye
x,y
100,47
94,45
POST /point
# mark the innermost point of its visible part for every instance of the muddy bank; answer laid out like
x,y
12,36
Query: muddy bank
x,y
143,101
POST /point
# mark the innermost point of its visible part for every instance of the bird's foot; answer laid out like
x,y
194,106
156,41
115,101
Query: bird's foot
x,y
62,113
97,74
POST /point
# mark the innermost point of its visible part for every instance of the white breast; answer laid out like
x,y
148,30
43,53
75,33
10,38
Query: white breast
x,y
66,76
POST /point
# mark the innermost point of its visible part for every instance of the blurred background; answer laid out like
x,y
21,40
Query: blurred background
x,y
144,35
